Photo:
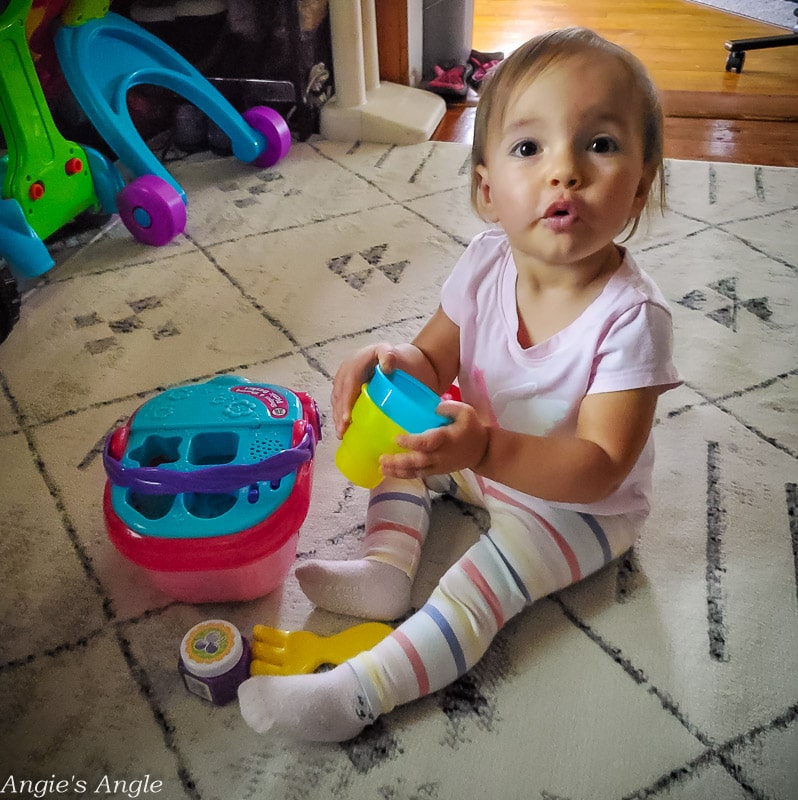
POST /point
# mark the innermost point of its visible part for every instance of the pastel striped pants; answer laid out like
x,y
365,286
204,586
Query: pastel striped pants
x,y
531,550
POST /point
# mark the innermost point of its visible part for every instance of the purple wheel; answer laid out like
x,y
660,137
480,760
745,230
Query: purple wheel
x,y
152,210
274,129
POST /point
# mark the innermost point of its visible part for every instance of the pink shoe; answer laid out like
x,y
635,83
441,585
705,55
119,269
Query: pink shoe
x,y
482,63
450,81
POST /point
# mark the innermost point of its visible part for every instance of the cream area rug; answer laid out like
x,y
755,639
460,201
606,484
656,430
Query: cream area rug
x,y
774,12
671,674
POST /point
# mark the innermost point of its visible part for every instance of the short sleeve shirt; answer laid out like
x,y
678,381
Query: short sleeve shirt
x,y
622,340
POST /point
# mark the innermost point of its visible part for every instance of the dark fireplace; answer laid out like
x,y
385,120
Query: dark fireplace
x,y
256,52
275,53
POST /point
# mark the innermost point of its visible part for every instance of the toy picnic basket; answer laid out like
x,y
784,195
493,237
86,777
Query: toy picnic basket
x,y
208,485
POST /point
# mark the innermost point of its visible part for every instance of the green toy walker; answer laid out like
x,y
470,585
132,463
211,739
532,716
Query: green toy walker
x,y
47,180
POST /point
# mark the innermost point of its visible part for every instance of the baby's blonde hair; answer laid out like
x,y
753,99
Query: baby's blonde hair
x,y
529,60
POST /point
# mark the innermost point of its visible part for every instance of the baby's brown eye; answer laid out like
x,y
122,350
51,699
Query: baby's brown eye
x,y
525,149
603,144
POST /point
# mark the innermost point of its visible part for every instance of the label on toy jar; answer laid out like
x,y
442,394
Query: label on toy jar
x,y
276,404
212,660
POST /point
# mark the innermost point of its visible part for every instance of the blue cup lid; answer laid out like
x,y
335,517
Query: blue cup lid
x,y
407,401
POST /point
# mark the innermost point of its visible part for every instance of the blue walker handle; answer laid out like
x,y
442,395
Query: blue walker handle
x,y
220,479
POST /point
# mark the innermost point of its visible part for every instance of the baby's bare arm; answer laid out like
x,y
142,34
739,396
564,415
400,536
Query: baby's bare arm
x,y
585,467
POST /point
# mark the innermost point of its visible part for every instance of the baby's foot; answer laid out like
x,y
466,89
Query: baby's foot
x,y
323,707
363,588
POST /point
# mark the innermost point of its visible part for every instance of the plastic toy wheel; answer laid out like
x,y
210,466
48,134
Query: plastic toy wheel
x,y
735,61
274,129
152,210
9,302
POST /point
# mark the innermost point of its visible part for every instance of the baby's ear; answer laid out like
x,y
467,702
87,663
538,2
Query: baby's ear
x,y
644,188
484,197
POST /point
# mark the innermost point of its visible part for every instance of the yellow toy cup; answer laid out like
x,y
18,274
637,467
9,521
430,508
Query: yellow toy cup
x,y
389,405
370,434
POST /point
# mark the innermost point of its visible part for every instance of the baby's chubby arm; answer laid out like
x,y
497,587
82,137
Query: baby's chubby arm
x,y
582,467
432,357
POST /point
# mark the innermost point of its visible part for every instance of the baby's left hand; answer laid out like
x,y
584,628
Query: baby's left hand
x,y
439,451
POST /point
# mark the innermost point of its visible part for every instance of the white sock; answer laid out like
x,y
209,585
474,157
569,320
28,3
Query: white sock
x,y
321,707
362,588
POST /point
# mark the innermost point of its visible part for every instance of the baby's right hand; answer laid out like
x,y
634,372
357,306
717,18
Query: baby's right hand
x,y
352,374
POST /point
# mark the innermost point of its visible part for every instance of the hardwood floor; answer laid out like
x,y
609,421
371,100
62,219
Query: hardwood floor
x,y
711,114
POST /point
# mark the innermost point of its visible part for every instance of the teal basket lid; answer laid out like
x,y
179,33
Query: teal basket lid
x,y
216,427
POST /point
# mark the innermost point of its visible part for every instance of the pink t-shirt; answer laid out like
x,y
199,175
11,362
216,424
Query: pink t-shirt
x,y
622,340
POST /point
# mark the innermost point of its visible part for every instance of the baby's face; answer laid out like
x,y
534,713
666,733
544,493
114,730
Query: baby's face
x,y
564,169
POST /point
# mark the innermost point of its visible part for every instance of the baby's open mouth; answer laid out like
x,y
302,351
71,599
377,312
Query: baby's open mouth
x,y
562,208
560,215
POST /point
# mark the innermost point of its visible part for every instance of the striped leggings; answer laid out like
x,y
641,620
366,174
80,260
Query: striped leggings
x,y
530,550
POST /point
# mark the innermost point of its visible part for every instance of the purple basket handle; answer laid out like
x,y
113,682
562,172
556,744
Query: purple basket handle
x,y
223,479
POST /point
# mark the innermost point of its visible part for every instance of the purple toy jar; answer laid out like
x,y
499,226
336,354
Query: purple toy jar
x,y
214,660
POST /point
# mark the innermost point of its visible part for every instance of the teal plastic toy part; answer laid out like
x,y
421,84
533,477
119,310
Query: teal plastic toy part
x,y
47,175
108,182
225,421
104,58
19,245
405,400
